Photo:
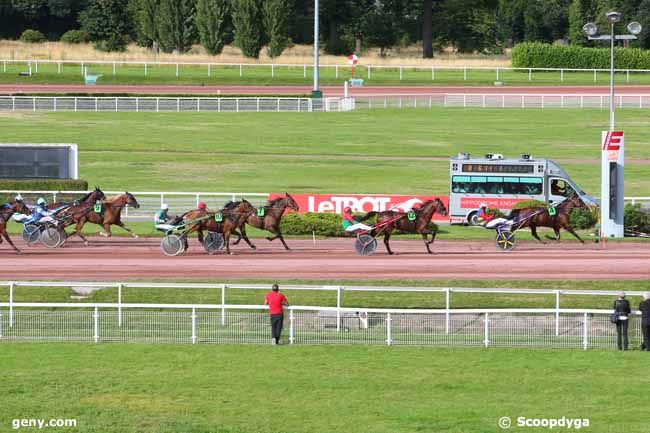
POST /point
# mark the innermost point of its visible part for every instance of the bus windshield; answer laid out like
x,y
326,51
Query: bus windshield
x,y
515,185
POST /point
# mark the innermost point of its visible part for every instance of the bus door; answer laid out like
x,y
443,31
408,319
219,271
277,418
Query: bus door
x,y
558,190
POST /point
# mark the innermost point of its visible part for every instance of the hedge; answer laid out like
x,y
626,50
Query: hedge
x,y
540,55
32,36
75,37
43,184
636,219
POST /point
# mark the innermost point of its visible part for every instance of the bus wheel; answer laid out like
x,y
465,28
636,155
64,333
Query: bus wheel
x,y
472,219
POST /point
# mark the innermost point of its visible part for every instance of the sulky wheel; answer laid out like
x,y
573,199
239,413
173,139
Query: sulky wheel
x,y
31,234
213,241
505,240
51,237
365,245
172,245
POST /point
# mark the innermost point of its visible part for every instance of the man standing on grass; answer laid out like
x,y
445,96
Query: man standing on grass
x,y
276,300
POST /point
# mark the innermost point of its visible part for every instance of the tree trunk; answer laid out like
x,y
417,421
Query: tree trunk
x,y
333,33
357,48
427,29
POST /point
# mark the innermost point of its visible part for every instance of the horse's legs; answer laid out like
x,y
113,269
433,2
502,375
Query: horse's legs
x,y
570,230
533,231
124,227
557,233
278,235
79,228
245,236
426,242
239,237
107,230
6,236
226,236
386,242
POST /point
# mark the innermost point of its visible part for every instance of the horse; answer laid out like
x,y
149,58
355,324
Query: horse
x,y
90,197
534,217
269,220
6,211
390,220
110,215
233,215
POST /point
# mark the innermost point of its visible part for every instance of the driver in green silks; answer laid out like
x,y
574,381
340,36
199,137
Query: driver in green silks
x,y
350,224
162,218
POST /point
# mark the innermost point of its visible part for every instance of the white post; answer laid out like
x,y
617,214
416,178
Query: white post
x,y
11,304
594,75
157,105
178,105
585,324
291,327
145,69
4,66
562,75
96,324
338,309
483,101
389,332
119,305
530,74
137,104
13,103
346,89
209,71
58,67
223,302
177,69
433,73
486,341
465,73
368,71
497,73
54,100
562,101
96,104
628,75
113,68
557,313
272,70
447,307
401,72
82,68
241,70
193,325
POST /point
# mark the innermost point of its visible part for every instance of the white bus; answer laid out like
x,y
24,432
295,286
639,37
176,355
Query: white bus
x,y
501,183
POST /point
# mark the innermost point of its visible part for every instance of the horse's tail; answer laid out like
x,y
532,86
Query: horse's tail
x,y
367,216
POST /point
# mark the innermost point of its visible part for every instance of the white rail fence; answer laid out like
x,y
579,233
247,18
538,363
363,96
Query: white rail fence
x,y
150,201
60,321
492,100
220,323
156,104
385,72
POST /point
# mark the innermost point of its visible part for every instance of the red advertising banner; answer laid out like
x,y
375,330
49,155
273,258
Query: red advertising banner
x,y
493,203
361,202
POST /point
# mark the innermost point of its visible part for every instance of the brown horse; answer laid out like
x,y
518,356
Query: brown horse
x,y
268,219
110,214
64,215
534,217
6,211
91,197
233,215
390,220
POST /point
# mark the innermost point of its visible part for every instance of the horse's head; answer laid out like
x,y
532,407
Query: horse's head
x,y
131,201
441,209
98,194
245,207
436,205
291,203
19,206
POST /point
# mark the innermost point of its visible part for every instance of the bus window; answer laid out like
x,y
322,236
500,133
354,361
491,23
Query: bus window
x,y
560,187
478,185
531,185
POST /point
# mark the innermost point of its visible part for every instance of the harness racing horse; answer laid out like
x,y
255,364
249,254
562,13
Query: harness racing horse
x,y
233,215
5,215
91,197
534,217
389,220
110,214
268,218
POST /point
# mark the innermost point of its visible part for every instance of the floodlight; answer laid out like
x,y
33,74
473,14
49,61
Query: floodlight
x,y
613,17
590,29
634,28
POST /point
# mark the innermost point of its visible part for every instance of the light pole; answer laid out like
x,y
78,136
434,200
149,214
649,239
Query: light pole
x,y
612,150
316,93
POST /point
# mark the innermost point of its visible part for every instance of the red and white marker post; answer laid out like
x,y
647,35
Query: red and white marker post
x,y
352,61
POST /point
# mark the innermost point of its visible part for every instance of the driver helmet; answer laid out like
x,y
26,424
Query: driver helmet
x,y
164,206
41,201
347,209
202,205
19,197
483,206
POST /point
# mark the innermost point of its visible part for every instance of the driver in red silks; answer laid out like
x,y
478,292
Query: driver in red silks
x,y
350,224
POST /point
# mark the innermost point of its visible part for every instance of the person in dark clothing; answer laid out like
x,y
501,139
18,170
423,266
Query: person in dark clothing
x,y
276,301
644,307
623,310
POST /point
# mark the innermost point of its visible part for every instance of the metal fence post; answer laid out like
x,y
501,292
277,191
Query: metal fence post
x,y
530,74
447,307
241,69
96,324
272,70
389,333
368,71
557,313
113,68
58,67
433,73
486,341
82,68
465,74
193,325
401,72
209,70
11,304
177,69
291,327
594,75
562,75
223,303
119,305
497,73
628,75
145,69
585,340
178,105
338,309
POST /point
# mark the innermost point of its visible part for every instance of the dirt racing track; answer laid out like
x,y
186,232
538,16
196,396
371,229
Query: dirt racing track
x,y
119,259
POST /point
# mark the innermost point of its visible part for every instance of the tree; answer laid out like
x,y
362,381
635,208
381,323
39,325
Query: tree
x,y
107,22
145,16
211,18
31,9
276,14
380,28
246,22
427,29
175,25
580,12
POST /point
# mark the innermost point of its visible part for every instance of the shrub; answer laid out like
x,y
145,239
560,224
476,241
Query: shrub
x,y
39,185
75,37
583,219
529,203
540,55
636,219
32,36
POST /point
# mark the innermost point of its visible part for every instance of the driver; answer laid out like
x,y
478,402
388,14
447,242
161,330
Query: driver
x,y
19,217
162,218
489,220
40,213
350,224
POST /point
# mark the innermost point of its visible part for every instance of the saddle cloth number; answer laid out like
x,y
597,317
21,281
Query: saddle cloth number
x,y
411,215
552,211
97,207
261,212
218,217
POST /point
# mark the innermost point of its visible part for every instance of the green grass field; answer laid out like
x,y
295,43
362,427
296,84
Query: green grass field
x,y
258,389
298,75
382,151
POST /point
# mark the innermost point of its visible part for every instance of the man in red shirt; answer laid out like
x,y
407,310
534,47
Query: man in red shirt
x,y
276,300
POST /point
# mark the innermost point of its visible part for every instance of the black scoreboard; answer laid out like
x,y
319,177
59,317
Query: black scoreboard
x,y
499,168
37,161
